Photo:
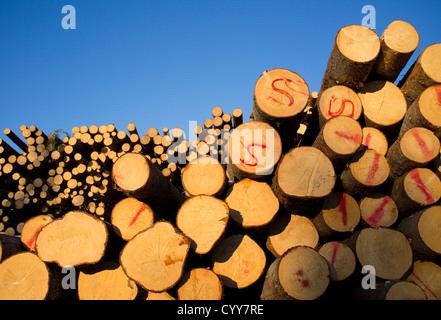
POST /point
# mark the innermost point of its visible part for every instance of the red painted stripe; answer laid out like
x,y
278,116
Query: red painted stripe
x,y
367,141
141,209
425,285
438,93
424,149
336,246
30,243
342,208
415,175
373,169
355,138
379,212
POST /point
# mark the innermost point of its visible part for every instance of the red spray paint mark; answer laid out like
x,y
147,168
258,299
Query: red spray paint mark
x,y
425,286
285,93
438,93
336,246
373,169
248,147
141,209
342,107
415,175
421,143
30,243
379,212
342,208
305,282
367,141
355,138
245,270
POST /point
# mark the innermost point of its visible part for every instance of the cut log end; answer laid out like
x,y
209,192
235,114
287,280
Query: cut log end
x,y
200,284
341,260
358,43
131,172
252,203
280,93
239,261
203,219
75,239
31,228
378,210
131,216
155,257
374,139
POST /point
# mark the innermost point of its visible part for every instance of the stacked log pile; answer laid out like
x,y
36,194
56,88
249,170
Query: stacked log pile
x,y
296,203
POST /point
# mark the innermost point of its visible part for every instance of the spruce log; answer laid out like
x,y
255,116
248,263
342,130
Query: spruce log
x,y
416,148
366,171
378,210
339,139
423,229
280,96
300,274
425,111
239,261
374,139
384,105
424,73
24,276
204,176
105,280
131,216
338,101
340,258
155,257
137,177
254,149
391,290
304,176
203,219
352,57
387,250
291,230
31,228
427,275
398,42
415,190
75,239
252,204
340,214
200,284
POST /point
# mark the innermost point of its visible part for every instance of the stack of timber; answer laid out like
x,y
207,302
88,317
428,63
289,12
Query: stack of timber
x,y
294,204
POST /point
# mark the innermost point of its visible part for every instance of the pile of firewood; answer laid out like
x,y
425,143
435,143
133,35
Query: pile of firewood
x,y
296,203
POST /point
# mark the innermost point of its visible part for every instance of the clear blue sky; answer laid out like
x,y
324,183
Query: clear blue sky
x,y
164,63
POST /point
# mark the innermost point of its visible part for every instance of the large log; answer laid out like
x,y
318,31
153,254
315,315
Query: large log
x,y
136,176
427,275
280,96
422,228
303,177
416,148
424,73
75,239
415,190
290,230
300,274
425,111
336,101
131,216
105,280
200,284
204,176
384,106
155,257
352,57
365,172
254,149
203,219
339,139
239,261
252,204
398,42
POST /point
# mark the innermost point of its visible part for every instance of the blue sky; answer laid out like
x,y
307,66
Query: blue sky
x,y
164,63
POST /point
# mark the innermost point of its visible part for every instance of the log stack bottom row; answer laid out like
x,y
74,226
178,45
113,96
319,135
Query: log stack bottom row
x,y
330,195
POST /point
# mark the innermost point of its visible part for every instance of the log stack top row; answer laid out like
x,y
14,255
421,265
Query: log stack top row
x,y
295,203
